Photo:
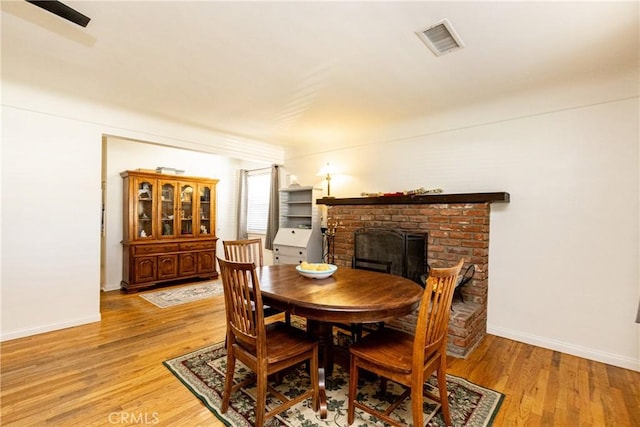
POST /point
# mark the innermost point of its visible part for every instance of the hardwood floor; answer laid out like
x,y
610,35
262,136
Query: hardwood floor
x,y
111,373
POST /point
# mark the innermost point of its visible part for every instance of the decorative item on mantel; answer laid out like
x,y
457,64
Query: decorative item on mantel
x,y
417,192
171,171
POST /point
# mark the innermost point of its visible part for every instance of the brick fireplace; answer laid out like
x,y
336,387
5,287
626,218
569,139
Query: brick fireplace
x,y
458,226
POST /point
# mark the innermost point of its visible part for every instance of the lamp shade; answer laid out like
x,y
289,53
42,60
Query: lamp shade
x,y
326,170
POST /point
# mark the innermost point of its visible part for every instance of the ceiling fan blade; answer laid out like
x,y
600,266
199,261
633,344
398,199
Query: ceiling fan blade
x,y
62,10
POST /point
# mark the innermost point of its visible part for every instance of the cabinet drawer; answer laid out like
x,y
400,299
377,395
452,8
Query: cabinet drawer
x,y
293,251
194,246
154,249
285,259
297,237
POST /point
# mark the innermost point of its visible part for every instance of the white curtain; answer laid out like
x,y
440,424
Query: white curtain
x,y
273,220
241,231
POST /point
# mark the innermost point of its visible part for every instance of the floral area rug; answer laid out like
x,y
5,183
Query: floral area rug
x,y
203,372
184,294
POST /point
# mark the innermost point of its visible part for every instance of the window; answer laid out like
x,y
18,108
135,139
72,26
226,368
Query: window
x,y
258,184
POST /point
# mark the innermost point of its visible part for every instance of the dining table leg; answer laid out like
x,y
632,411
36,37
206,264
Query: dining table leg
x,y
323,332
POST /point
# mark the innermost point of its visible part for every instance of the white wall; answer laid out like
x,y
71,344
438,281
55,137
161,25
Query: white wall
x,y
564,254
50,223
51,200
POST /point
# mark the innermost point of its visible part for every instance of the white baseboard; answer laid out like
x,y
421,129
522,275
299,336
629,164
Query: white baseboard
x,y
563,347
6,336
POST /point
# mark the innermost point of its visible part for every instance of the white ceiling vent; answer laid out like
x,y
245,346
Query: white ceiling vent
x,y
441,38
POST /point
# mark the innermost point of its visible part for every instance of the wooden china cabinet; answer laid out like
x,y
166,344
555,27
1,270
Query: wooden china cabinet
x,y
169,228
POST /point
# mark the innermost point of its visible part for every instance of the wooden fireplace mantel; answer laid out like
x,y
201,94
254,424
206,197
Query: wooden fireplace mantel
x,y
501,196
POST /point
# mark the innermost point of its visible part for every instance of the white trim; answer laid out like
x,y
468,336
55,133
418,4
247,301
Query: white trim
x,y
563,347
50,327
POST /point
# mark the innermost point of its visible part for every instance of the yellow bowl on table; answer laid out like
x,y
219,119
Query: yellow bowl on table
x,y
316,270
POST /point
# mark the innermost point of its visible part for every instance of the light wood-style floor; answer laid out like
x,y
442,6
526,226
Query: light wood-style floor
x,y
111,373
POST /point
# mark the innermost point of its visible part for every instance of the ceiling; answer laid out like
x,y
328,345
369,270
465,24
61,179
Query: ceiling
x,y
292,73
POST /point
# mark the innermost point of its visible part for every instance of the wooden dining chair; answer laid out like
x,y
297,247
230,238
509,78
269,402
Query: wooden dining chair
x,y
250,250
247,250
265,349
407,359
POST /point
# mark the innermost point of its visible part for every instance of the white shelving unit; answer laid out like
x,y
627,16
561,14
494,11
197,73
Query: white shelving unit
x,y
299,237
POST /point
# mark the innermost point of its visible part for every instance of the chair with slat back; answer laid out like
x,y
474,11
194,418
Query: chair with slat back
x,y
249,250
265,349
409,359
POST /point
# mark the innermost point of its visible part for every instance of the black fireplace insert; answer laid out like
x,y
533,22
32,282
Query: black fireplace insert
x,y
406,251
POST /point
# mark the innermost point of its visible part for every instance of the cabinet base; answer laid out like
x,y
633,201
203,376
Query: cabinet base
x,y
137,287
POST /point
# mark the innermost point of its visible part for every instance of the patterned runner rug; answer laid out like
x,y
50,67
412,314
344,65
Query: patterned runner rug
x,y
180,295
202,371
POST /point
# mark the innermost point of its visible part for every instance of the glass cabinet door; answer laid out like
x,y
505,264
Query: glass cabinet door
x,y
168,209
185,210
206,213
144,209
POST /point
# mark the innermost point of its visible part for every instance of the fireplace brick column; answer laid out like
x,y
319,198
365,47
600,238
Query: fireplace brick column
x,y
455,230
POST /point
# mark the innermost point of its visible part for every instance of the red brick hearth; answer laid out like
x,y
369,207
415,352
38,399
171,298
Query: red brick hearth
x,y
457,226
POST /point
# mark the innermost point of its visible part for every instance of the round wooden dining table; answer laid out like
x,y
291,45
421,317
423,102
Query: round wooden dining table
x,y
348,296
